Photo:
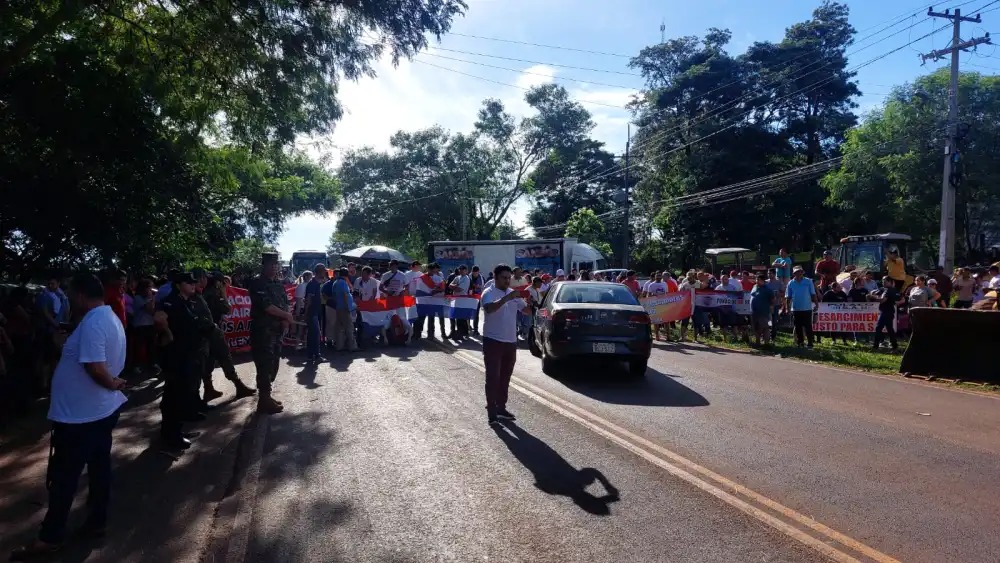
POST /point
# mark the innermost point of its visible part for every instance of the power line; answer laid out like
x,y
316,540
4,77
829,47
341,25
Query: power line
x,y
519,71
745,189
505,83
738,118
514,41
537,62
749,97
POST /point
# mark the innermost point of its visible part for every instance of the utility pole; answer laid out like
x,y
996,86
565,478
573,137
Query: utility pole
x,y
628,203
465,202
946,253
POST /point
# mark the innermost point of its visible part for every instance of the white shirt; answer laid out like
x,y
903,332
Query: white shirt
x,y
300,290
536,295
368,289
394,282
519,283
656,288
501,325
412,279
76,397
995,282
463,284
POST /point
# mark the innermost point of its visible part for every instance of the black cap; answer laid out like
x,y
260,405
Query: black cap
x,y
186,277
217,277
199,273
269,257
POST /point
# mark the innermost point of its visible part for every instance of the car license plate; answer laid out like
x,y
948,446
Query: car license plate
x,y
604,348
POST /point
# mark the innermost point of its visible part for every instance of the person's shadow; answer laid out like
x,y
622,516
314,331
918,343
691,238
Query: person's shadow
x,y
554,475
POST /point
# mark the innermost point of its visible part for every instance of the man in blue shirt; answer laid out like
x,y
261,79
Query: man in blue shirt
x,y
783,267
799,298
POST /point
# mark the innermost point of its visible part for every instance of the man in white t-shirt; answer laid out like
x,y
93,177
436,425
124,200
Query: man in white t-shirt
x,y
413,277
84,409
460,286
654,288
394,281
501,305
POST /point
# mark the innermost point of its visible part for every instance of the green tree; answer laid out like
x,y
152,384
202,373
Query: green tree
x,y
156,132
257,71
435,185
585,226
890,176
585,176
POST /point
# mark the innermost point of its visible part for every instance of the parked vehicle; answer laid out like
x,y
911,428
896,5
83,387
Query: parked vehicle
x,y
547,255
591,319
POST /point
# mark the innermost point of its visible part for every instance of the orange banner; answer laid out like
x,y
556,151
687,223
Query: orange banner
x,y
668,307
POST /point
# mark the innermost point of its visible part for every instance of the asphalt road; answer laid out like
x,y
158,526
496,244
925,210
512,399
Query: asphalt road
x,y
386,456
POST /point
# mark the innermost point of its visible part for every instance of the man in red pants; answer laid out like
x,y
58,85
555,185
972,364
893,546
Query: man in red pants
x,y
501,304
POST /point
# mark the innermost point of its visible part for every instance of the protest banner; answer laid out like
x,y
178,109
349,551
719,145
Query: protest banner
x,y
846,317
669,307
735,301
236,325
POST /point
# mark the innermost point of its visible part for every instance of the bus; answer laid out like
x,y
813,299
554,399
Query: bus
x,y
303,260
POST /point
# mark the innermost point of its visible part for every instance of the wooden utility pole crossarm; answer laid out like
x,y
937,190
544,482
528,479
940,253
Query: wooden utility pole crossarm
x,y
946,253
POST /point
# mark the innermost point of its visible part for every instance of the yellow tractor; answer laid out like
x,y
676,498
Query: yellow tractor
x,y
868,253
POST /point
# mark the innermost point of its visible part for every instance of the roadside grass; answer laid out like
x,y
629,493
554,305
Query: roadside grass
x,y
860,357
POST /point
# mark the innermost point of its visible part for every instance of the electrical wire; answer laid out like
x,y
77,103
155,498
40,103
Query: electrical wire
x,y
519,71
536,62
741,190
732,104
563,48
805,89
503,83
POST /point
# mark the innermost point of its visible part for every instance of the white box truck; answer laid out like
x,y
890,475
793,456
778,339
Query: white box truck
x,y
548,255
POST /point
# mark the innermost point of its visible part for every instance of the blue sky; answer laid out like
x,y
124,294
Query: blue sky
x,y
433,89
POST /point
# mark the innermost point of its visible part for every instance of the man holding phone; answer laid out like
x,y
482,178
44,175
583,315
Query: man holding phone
x,y
502,305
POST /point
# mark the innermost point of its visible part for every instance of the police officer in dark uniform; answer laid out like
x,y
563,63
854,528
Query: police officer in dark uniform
x,y
189,328
269,317
215,298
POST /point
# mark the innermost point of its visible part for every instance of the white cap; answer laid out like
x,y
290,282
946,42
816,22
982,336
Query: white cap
x,y
560,272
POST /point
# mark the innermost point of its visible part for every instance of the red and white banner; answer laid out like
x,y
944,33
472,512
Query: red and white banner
x,y
236,325
846,317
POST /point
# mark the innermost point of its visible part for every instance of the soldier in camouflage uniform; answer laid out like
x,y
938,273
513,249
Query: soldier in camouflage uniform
x,y
218,304
269,317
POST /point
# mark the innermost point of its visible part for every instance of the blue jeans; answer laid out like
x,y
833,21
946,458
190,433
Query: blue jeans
x,y
312,335
73,447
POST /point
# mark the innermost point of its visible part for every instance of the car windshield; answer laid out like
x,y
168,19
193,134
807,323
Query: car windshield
x,y
584,292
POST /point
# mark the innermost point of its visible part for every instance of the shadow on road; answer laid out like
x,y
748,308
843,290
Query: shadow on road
x,y
554,475
608,382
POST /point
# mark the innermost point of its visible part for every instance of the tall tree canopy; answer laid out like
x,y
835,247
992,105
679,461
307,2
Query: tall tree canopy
x,y
428,181
890,178
159,130
708,119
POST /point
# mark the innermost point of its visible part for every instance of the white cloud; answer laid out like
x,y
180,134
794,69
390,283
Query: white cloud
x,y
536,76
